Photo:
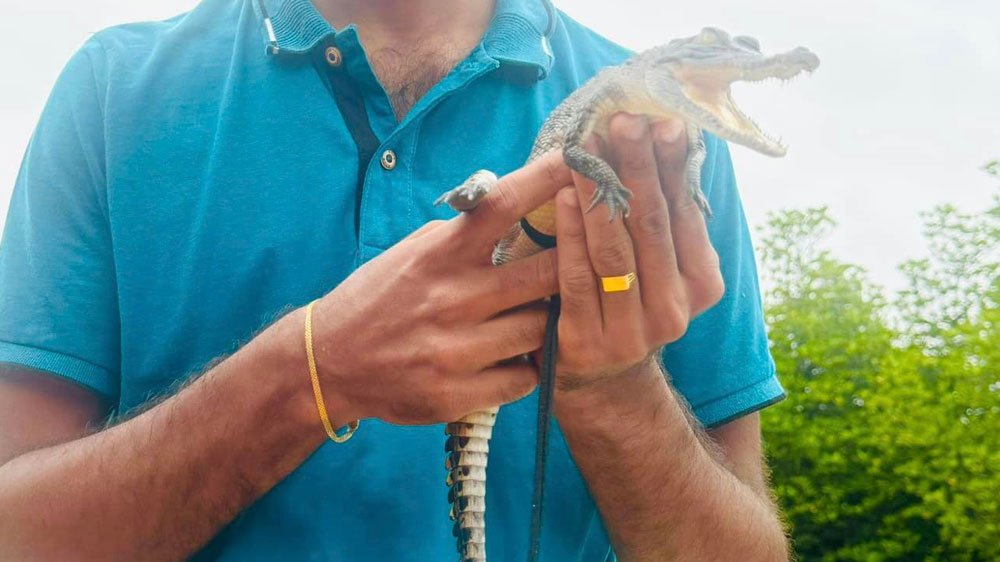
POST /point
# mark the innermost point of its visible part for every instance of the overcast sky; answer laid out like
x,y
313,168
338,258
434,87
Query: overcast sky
x,y
901,115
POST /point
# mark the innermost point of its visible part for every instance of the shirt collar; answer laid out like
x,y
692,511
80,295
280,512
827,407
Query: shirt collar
x,y
516,34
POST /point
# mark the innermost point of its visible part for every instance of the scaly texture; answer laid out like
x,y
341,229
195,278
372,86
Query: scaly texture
x,y
687,79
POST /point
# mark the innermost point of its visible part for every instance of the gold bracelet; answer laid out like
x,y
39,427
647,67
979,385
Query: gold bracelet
x,y
317,391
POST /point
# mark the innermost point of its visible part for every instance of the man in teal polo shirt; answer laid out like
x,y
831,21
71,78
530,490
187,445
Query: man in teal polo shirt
x,y
193,183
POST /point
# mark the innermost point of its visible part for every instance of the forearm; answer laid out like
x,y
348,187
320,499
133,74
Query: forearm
x,y
661,493
160,485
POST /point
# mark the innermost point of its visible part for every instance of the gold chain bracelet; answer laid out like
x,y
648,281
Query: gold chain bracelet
x,y
317,391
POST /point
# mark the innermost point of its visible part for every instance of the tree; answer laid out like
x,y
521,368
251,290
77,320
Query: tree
x,y
888,447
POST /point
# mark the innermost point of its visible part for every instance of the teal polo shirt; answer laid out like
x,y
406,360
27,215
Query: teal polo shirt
x,y
191,179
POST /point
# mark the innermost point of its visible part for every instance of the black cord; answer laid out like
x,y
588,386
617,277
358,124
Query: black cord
x,y
545,388
548,375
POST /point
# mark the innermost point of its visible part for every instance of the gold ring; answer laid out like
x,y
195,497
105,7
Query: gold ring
x,y
618,284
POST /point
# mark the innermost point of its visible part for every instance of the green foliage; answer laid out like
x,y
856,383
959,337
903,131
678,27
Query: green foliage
x,y
888,447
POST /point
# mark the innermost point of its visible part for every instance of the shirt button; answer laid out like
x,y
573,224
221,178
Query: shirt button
x,y
388,160
333,56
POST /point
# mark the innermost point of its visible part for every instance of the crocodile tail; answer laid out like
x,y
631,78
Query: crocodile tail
x,y
468,448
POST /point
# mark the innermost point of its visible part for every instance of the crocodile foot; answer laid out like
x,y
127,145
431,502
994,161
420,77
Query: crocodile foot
x,y
614,195
468,195
692,169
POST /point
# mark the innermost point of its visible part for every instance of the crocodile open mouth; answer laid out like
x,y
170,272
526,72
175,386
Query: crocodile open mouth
x,y
709,88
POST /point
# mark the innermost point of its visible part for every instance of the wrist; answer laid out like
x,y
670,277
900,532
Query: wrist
x,y
615,404
284,346
619,414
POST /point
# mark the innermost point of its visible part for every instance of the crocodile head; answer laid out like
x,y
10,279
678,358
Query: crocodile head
x,y
694,74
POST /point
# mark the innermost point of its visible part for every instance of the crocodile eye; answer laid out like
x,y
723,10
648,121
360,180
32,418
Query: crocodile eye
x,y
713,35
748,42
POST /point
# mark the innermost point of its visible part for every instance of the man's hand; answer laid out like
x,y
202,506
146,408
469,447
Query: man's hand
x,y
415,336
664,241
411,337
663,490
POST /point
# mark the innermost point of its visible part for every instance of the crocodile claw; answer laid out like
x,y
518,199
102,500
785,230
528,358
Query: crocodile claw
x,y
615,196
468,195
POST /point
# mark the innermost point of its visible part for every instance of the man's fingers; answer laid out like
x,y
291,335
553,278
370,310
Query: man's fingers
x,y
508,335
670,144
577,280
611,253
515,195
492,387
518,282
649,222
697,260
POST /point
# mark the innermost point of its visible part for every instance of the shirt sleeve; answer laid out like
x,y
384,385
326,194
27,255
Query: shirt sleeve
x,y
58,297
722,366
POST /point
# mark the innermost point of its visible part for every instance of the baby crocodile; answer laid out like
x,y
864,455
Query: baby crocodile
x,y
687,79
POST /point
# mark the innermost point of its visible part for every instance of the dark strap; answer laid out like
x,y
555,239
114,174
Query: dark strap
x,y
537,236
545,389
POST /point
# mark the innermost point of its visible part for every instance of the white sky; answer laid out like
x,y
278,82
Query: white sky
x,y
900,116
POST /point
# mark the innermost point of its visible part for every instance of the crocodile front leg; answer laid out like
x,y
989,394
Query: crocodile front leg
x,y
609,188
468,195
692,168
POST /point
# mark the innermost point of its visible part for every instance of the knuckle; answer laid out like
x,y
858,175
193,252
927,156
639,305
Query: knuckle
x,y
539,270
441,357
708,285
524,331
573,234
672,324
628,128
553,170
441,303
678,328
547,268
613,254
502,201
654,225
714,289
578,282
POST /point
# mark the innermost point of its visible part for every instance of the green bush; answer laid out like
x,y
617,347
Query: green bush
x,y
888,447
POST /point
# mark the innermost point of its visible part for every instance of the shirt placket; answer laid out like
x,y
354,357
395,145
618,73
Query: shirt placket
x,y
384,199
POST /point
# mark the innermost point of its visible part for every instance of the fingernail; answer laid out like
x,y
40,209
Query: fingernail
x,y
569,197
669,131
